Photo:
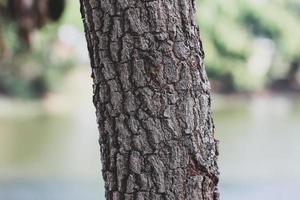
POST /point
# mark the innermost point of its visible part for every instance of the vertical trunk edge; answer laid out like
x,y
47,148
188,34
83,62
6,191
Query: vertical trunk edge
x,y
152,99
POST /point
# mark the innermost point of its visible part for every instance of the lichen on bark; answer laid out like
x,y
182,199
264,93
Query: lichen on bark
x,y
152,99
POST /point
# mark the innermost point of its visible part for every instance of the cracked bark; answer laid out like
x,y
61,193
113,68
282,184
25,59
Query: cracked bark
x,y
152,100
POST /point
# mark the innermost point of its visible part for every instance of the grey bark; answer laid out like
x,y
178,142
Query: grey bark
x,y
152,100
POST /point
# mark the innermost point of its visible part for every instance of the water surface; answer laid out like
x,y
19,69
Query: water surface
x,y
49,150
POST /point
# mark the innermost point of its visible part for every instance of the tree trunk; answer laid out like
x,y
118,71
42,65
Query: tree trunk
x,y
152,100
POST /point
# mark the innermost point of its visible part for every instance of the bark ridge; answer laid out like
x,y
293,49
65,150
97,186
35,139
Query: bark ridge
x,y
152,99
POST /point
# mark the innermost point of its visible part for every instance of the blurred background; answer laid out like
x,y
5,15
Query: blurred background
x,y
48,132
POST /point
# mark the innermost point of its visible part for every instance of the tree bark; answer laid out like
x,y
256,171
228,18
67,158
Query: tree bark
x,y
152,100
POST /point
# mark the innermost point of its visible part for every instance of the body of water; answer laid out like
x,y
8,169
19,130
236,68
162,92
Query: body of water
x,y
49,150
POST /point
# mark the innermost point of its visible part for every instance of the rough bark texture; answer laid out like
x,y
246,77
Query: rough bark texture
x,y
152,100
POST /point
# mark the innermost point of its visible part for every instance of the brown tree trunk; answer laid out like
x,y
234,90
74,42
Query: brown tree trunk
x,y
152,100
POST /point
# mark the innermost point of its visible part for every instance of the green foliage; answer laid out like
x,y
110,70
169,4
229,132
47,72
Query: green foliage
x,y
230,28
31,74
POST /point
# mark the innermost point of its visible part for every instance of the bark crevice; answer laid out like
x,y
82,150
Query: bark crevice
x,y
152,99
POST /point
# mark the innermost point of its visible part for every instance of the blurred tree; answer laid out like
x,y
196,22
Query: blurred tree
x,y
152,100
31,15
2,43
29,72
